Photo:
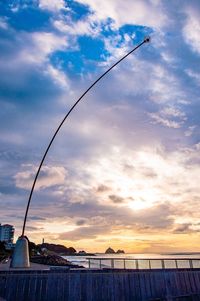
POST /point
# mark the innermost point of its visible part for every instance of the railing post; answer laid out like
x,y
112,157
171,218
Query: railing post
x,y
100,263
89,263
191,263
163,263
112,263
176,263
124,264
150,264
136,264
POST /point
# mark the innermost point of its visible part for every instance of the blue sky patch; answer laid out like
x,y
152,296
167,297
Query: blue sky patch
x,y
30,19
78,10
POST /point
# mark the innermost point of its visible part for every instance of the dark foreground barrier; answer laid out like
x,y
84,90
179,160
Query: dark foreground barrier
x,y
100,285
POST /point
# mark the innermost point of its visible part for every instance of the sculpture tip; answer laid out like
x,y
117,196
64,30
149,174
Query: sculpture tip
x,y
147,39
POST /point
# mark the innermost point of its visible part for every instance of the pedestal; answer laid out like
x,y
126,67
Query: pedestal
x,y
20,258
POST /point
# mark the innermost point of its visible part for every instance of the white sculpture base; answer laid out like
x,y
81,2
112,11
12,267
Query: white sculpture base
x,y
20,258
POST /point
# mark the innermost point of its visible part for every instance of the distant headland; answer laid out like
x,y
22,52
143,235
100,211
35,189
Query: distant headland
x,y
59,249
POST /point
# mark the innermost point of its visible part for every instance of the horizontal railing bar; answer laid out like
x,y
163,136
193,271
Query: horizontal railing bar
x,y
139,262
144,259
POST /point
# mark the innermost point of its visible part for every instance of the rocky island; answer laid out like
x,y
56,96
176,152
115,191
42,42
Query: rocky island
x,y
111,251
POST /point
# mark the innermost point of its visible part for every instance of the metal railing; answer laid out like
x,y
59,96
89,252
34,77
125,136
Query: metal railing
x,y
140,263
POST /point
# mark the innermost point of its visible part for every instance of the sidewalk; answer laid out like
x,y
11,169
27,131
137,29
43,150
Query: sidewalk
x,y
34,266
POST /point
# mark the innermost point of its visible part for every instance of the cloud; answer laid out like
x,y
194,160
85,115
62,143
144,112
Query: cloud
x,y
52,5
190,130
49,176
191,30
33,229
194,75
158,217
187,228
41,45
29,69
80,222
102,188
184,228
3,24
116,199
88,26
84,233
147,13
37,218
165,87
116,222
58,76
164,121
31,48
174,112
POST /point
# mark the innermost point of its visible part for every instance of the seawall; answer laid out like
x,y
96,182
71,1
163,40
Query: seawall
x,y
100,285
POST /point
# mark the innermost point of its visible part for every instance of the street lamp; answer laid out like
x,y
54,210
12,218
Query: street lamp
x,y
20,258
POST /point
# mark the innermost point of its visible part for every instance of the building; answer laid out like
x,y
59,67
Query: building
x,y
7,235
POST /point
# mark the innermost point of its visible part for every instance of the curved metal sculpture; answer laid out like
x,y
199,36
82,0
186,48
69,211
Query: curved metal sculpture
x,y
20,258
146,40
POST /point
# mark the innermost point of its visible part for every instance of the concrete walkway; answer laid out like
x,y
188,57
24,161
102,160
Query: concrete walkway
x,y
34,266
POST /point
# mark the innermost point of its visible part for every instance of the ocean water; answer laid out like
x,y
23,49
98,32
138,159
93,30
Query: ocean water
x,y
183,260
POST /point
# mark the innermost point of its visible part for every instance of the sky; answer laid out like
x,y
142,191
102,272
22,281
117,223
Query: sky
x,y
124,170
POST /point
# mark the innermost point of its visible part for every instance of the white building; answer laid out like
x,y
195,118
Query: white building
x,y
7,234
